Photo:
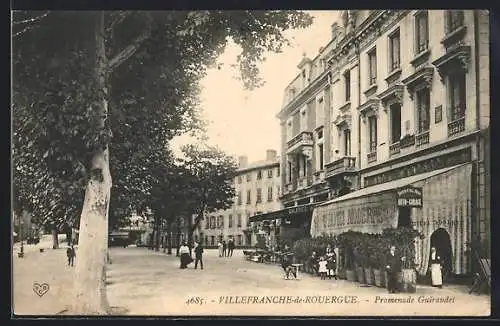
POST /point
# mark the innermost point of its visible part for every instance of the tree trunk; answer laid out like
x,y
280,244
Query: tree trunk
x,y
169,236
55,238
90,270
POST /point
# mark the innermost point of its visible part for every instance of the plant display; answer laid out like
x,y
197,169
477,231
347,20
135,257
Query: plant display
x,y
404,240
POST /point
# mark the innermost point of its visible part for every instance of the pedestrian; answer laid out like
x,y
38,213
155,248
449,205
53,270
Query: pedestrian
x,y
224,248
435,269
287,267
331,263
70,252
198,253
185,258
230,248
393,268
313,263
219,245
322,267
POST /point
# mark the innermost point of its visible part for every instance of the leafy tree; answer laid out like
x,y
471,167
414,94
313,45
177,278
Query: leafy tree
x,y
97,93
211,186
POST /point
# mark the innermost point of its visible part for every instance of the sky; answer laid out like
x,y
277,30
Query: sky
x,y
244,123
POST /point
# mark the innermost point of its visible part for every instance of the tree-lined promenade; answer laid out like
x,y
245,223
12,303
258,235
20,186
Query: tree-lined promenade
x,y
145,282
97,96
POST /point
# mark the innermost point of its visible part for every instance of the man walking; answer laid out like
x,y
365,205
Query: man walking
x,y
198,252
70,252
230,248
393,268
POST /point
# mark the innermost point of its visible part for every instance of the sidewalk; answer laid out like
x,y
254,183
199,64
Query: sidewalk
x,y
145,282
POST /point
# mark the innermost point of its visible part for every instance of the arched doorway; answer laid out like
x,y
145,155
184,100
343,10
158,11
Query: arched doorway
x,y
440,239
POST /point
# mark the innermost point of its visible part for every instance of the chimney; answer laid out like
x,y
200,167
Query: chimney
x,y
243,161
271,155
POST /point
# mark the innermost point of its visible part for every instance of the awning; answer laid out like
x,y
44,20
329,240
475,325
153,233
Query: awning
x,y
283,213
387,186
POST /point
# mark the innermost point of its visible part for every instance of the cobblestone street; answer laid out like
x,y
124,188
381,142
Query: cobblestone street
x,y
143,282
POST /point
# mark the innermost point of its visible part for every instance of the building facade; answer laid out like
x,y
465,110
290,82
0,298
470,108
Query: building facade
x,y
257,188
398,98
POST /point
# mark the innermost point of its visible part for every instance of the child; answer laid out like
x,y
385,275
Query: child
x,y
322,268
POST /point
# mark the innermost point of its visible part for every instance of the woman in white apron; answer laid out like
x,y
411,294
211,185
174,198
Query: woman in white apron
x,y
435,267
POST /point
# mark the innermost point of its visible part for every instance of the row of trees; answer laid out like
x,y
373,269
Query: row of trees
x,y
98,94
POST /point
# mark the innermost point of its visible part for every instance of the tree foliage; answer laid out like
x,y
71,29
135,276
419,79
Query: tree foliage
x,y
156,61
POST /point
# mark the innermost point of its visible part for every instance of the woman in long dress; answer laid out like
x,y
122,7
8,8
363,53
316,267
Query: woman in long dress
x,y
219,246
435,267
185,256
331,265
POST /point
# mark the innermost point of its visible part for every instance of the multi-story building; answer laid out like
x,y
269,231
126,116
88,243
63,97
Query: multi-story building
x,y
395,106
257,188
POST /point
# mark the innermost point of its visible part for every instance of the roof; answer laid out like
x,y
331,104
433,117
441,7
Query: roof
x,y
259,164
387,186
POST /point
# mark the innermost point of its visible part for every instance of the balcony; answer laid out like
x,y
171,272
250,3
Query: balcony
x,y
340,166
407,141
457,126
372,157
422,138
394,148
305,138
304,182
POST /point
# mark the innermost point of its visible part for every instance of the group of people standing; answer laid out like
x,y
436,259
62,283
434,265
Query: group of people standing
x,y
393,267
325,265
185,255
226,249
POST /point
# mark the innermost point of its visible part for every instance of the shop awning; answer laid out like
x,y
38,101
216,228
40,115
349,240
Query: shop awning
x,y
387,186
283,213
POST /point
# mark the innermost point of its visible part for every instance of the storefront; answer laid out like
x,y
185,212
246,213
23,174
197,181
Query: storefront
x,y
274,225
436,203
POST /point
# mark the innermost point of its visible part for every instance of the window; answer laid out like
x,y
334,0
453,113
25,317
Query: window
x,y
455,20
239,179
394,51
278,193
230,221
259,175
270,173
395,122
249,197
278,171
347,142
422,32
238,221
220,222
347,83
259,195
249,177
212,240
213,223
270,194
239,197
372,66
289,171
321,153
372,123
457,96
423,108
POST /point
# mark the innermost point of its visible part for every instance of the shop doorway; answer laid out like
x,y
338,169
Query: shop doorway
x,y
440,240
404,216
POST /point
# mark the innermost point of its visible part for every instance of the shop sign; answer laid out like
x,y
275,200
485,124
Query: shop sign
x,y
409,196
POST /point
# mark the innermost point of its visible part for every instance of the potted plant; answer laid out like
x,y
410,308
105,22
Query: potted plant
x,y
346,242
371,263
378,252
404,240
360,257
